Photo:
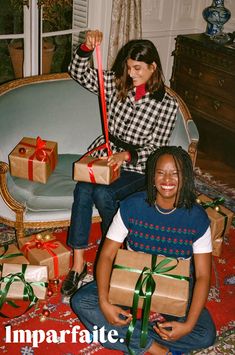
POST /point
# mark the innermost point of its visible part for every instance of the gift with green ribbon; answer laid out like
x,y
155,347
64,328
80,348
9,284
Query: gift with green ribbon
x,y
153,283
17,280
220,217
10,254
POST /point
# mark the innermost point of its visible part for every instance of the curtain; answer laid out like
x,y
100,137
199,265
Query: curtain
x,y
125,25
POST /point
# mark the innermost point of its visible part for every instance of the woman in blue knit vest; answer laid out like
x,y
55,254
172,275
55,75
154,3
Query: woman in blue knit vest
x,y
164,220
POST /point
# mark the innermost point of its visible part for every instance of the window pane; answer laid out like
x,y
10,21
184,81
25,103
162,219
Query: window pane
x,y
57,57
11,17
57,15
6,67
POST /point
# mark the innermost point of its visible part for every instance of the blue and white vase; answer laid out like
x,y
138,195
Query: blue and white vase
x,y
216,16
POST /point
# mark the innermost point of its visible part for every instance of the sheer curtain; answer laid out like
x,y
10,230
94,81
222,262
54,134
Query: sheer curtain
x,y
125,25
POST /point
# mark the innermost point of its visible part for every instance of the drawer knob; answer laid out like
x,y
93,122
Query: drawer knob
x,y
190,71
221,82
216,105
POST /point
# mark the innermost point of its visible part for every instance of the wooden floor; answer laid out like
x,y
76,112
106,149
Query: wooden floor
x,y
220,171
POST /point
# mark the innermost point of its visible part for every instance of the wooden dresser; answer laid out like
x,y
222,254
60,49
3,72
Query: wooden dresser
x,y
204,76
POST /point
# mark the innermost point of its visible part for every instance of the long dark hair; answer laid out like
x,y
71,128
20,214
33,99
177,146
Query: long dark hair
x,y
141,50
187,193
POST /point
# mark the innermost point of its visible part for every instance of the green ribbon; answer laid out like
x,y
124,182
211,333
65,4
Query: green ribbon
x,y
144,288
3,256
28,293
216,203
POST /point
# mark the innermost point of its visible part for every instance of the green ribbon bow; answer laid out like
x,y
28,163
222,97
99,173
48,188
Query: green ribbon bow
x,y
144,288
3,256
216,203
28,293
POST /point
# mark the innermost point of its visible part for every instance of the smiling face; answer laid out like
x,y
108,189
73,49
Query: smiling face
x,y
140,72
167,181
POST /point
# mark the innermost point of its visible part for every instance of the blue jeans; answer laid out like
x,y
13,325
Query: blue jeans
x,y
86,306
106,199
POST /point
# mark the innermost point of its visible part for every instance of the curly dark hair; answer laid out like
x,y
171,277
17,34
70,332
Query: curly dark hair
x,y
186,196
141,50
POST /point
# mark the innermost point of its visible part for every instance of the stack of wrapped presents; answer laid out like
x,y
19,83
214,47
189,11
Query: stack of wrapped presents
x,y
26,269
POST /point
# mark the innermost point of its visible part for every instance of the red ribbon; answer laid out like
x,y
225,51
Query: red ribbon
x,y
44,245
106,145
102,98
91,171
40,154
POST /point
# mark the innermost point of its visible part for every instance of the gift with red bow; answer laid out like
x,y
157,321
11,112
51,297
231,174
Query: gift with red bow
x,y
44,249
33,159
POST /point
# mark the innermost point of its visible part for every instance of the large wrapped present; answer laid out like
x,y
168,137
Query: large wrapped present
x,y
95,170
166,279
10,254
221,219
33,159
21,281
44,249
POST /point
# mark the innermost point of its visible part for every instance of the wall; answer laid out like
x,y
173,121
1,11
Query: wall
x,y
163,20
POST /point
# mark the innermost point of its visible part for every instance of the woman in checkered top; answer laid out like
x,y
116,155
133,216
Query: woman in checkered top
x,y
141,118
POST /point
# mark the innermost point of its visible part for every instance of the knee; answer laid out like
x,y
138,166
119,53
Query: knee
x,y
103,197
210,337
75,302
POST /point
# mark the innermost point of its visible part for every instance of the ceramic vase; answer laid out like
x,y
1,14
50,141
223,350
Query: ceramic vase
x,y
216,16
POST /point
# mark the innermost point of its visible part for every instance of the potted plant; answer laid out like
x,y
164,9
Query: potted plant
x,y
57,15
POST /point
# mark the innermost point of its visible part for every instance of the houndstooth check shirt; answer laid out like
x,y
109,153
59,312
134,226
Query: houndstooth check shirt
x,y
142,126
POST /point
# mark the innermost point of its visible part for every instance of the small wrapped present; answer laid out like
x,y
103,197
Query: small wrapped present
x,y
33,159
21,281
10,254
133,272
44,249
95,170
221,219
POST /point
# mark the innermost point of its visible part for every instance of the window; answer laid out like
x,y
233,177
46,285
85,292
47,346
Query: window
x,y
37,36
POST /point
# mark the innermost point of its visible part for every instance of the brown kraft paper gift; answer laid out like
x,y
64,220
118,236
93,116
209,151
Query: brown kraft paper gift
x,y
170,295
221,219
95,170
33,159
33,274
10,254
44,249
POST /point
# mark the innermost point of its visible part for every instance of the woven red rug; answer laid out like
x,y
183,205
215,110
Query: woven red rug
x,y
61,318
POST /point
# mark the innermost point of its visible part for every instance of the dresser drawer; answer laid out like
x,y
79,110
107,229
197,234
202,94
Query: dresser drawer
x,y
217,82
216,110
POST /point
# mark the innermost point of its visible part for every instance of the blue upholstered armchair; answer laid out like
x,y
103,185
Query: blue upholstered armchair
x,y
56,108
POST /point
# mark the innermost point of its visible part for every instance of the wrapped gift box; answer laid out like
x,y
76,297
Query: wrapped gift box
x,y
95,170
221,219
170,295
10,254
33,159
36,276
44,249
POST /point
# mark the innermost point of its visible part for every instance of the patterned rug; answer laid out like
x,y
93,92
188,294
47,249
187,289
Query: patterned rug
x,y
59,316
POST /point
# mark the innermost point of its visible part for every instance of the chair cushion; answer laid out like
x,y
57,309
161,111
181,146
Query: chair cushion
x,y
56,194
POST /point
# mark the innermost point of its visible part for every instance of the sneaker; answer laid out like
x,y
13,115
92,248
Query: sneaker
x,y
70,283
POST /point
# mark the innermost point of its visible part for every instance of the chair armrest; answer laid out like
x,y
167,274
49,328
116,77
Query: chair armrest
x,y
14,205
